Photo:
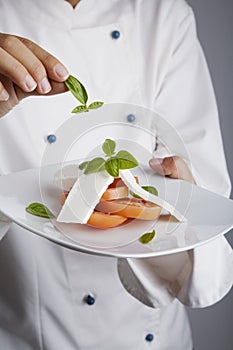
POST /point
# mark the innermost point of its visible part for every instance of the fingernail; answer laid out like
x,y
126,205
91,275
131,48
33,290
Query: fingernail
x,y
61,71
44,85
30,83
156,161
4,95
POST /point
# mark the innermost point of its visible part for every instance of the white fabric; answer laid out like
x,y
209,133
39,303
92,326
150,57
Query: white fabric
x,y
158,63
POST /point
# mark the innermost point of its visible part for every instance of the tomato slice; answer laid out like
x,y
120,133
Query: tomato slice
x,y
115,193
131,208
104,221
98,219
118,182
116,190
109,194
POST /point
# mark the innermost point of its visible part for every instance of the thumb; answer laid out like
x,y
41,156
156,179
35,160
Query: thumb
x,y
56,88
174,167
164,166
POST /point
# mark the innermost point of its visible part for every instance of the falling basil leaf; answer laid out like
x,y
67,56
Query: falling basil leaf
x,y
77,89
94,165
39,209
126,160
80,109
109,147
112,166
150,189
147,237
95,105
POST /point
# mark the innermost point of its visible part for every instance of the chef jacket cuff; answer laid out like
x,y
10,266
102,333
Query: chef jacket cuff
x,y
198,278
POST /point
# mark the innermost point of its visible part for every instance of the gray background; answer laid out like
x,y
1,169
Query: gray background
x,y
213,326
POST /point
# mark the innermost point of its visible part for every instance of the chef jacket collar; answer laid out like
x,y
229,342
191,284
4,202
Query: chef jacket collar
x,y
54,13
60,14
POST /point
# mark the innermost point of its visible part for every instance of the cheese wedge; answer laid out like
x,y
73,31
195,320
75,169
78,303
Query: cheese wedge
x,y
131,183
84,196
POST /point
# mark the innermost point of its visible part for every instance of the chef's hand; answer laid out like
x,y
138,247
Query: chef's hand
x,y
174,167
27,69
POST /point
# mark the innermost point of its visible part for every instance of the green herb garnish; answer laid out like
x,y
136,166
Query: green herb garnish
x,y
150,189
39,209
83,165
95,105
122,160
112,167
79,109
95,165
80,93
113,163
109,147
147,237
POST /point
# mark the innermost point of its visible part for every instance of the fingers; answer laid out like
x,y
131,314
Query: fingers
x,y
3,93
173,167
14,70
54,68
57,88
165,167
29,66
16,94
7,104
27,69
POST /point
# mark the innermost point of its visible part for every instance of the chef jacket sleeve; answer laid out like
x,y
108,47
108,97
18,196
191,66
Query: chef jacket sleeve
x,y
202,276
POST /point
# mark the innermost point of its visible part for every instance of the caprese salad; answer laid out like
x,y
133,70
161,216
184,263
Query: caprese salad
x,y
115,206
105,193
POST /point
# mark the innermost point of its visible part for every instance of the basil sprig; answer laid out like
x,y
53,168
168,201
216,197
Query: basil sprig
x,y
150,189
80,93
39,209
114,162
147,237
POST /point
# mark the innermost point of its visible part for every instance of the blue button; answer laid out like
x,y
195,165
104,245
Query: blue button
x,y
149,337
90,300
116,34
131,118
51,138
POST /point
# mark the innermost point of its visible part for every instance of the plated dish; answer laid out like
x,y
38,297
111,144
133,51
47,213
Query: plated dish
x,y
208,216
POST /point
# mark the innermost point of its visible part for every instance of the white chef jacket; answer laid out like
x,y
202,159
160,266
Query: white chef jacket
x,y
156,62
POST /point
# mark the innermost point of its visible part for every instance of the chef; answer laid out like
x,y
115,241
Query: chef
x,y
142,52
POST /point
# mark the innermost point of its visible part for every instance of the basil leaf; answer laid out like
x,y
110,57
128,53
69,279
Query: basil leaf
x,y
95,105
39,209
95,165
77,89
112,167
147,237
134,195
80,109
83,165
150,189
126,160
109,147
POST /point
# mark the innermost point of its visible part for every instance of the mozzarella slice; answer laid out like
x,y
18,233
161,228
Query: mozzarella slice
x,y
131,183
83,197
